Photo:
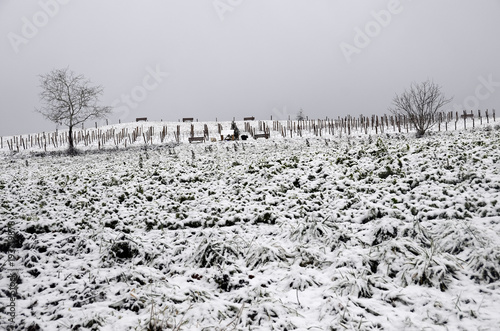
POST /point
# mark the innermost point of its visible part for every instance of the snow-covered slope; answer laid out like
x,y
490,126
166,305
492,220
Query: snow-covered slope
x,y
369,233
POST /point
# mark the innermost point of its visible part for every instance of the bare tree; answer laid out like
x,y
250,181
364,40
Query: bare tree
x,y
70,99
421,104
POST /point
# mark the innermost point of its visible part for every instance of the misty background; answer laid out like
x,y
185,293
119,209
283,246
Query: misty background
x,y
235,58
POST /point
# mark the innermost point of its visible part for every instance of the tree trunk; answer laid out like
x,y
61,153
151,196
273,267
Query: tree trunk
x,y
71,148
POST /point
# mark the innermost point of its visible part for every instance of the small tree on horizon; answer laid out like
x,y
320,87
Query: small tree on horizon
x,y
420,103
236,130
69,99
300,115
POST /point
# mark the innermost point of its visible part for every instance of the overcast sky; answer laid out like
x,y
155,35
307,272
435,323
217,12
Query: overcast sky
x,y
233,58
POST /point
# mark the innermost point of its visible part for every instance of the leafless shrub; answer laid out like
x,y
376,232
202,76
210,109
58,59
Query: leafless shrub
x,y
421,104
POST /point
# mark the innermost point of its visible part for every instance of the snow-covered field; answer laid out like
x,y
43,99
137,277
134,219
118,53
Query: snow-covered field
x,y
381,232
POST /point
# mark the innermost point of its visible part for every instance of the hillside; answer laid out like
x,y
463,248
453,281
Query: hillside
x,y
372,232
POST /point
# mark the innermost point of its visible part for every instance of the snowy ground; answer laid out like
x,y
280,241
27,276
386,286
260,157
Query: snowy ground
x,y
360,233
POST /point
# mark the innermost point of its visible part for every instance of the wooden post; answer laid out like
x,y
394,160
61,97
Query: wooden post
x,y
465,120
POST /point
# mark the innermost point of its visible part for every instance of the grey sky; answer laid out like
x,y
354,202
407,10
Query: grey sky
x,y
233,58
